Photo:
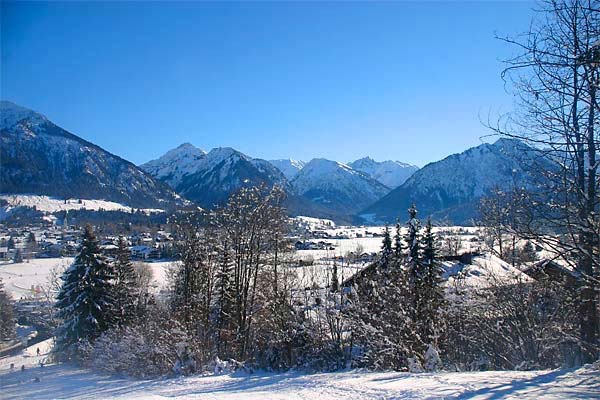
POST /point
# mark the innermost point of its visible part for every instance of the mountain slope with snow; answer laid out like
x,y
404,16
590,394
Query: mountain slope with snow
x,y
209,178
171,167
289,167
39,157
451,188
390,173
337,186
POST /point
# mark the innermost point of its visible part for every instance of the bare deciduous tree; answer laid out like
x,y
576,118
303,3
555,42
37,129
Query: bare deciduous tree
x,y
555,77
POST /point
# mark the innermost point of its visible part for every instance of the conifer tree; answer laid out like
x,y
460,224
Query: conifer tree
x,y
7,316
125,285
414,282
386,248
398,247
431,291
412,237
85,301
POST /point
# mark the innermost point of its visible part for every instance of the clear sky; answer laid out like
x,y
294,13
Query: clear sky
x,y
392,80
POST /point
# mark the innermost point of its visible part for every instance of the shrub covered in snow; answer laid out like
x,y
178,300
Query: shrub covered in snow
x,y
154,347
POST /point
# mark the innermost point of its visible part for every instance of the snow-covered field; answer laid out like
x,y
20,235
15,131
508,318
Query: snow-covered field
x,y
19,278
23,279
69,382
51,205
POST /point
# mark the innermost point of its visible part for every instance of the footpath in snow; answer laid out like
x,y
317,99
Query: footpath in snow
x,y
68,382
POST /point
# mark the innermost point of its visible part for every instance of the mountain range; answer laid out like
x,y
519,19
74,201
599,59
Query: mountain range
x,y
319,187
39,157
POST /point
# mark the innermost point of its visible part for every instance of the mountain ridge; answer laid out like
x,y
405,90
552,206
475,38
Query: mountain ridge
x,y
39,157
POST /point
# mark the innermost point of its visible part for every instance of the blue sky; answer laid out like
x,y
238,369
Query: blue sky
x,y
408,81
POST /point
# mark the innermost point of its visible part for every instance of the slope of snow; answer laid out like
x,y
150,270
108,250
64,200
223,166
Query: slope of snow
x,y
69,382
337,185
450,189
209,178
475,171
176,163
48,204
289,167
11,114
390,173
19,278
485,270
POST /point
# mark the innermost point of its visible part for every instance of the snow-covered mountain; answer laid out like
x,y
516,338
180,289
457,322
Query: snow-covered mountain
x,y
337,186
390,173
289,167
175,164
451,188
209,178
39,157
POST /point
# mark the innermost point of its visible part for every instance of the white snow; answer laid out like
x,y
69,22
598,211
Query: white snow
x,y
474,172
69,382
48,204
390,173
186,160
289,167
19,278
11,114
176,163
335,180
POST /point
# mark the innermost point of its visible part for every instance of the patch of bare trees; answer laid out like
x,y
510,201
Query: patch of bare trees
x,y
555,77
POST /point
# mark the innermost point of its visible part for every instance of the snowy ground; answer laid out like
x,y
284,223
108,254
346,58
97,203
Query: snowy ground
x,y
19,278
68,382
48,204
23,279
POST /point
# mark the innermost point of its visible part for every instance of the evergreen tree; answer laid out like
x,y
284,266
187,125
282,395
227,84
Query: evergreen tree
x,y
379,311
125,285
412,237
414,281
31,244
398,247
413,259
386,248
431,292
85,301
7,316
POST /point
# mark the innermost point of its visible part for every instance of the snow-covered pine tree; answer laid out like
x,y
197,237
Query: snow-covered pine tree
x,y
386,248
430,296
125,285
398,246
85,301
382,327
414,270
412,237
